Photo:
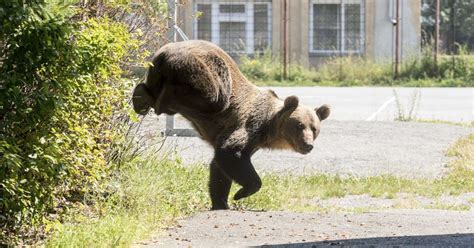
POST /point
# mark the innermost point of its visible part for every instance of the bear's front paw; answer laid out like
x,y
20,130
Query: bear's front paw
x,y
220,206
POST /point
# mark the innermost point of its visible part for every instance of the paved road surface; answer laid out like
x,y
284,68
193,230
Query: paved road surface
x,y
432,228
360,103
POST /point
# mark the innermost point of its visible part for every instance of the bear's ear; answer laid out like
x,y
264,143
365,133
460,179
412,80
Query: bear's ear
x,y
141,99
291,103
323,112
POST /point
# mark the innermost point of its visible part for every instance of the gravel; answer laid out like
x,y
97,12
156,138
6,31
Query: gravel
x,y
359,148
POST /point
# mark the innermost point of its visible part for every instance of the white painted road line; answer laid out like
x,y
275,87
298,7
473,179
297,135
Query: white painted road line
x,y
372,117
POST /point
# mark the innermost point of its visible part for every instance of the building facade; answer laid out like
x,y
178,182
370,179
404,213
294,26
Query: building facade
x,y
317,29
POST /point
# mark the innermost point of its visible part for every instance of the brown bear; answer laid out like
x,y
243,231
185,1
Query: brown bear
x,y
201,82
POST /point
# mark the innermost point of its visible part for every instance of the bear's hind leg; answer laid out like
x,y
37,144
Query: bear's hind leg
x,y
219,187
240,169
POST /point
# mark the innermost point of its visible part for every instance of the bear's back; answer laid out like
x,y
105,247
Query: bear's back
x,y
199,71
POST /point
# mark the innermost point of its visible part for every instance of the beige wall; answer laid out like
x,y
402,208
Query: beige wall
x,y
384,37
277,25
378,29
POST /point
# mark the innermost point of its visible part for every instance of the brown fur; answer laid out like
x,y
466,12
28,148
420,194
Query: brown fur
x,y
201,82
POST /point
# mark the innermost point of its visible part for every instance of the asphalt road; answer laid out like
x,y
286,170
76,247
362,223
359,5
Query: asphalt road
x,y
360,103
390,228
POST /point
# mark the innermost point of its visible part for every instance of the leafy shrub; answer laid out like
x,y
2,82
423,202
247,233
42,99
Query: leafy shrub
x,y
261,67
60,92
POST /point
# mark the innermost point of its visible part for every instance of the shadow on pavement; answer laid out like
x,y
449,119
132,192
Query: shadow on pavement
x,y
456,240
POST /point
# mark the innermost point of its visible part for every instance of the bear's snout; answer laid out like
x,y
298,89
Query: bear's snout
x,y
307,148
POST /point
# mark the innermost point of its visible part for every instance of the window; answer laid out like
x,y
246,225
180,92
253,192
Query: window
x,y
204,22
238,27
261,27
232,8
337,26
232,36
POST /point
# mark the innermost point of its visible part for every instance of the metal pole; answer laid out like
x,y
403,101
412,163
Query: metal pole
x,y
436,48
285,39
397,39
453,33
175,20
170,129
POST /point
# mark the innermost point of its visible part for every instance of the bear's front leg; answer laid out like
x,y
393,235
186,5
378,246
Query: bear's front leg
x,y
238,167
219,187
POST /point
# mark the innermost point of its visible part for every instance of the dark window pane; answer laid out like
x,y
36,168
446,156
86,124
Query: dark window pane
x,y
352,30
204,26
232,8
260,27
326,27
232,36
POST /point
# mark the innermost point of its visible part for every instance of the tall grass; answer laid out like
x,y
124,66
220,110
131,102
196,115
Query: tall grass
x,y
144,196
452,71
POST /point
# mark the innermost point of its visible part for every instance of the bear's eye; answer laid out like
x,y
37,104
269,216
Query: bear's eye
x,y
300,125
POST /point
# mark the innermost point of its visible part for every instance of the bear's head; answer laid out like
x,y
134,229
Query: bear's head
x,y
300,125
142,100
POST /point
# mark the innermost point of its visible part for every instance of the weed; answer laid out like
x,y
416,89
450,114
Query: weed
x,y
413,104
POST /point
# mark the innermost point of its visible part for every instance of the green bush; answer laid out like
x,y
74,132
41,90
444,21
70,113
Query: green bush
x,y
60,94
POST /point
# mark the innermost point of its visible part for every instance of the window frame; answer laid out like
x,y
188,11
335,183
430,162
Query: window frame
x,y
341,40
247,17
